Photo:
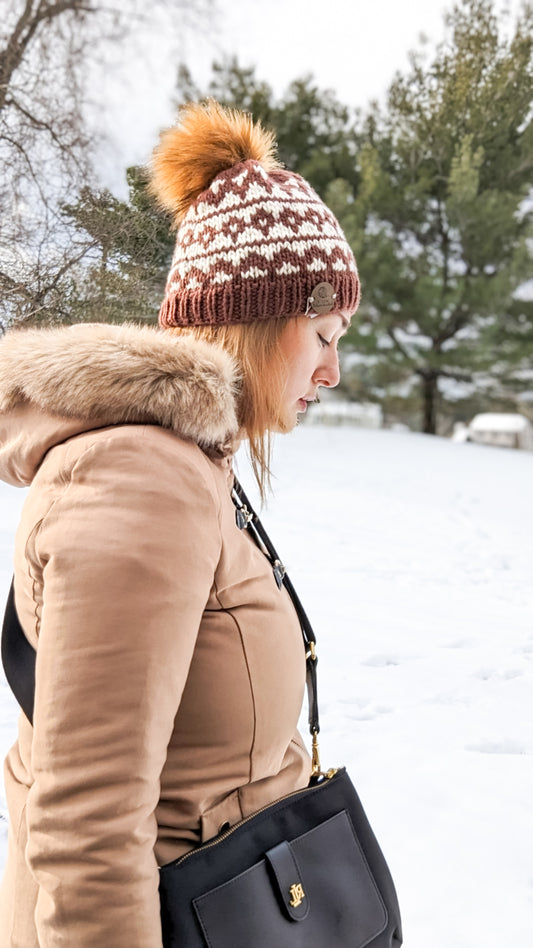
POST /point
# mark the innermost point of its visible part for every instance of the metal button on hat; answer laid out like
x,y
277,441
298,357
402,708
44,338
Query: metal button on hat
x,y
322,300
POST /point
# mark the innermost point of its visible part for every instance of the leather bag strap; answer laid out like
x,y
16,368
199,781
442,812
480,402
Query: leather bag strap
x,y
247,519
18,657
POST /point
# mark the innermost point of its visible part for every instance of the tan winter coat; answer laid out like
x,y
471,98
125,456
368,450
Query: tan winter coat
x,y
170,667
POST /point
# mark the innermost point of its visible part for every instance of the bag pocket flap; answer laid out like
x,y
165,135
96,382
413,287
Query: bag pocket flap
x,y
344,907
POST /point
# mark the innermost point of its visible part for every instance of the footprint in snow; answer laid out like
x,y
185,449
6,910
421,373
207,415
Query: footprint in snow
x,y
370,713
492,674
381,661
506,746
459,643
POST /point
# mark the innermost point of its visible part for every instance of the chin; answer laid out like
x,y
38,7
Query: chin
x,y
288,417
289,421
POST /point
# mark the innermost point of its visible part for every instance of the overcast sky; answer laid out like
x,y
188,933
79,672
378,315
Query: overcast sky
x,y
353,48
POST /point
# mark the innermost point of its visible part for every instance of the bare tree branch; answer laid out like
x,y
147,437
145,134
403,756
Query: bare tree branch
x,y
40,124
31,18
46,149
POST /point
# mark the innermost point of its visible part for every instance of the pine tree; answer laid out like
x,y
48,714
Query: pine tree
x,y
131,250
440,222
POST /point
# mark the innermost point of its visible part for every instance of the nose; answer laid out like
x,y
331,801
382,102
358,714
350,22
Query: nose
x,y
328,372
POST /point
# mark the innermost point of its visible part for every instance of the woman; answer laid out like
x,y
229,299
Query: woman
x,y
170,667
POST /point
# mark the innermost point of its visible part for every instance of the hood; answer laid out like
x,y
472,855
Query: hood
x,y
55,383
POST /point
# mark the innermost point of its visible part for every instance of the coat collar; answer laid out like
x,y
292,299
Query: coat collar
x,y
94,375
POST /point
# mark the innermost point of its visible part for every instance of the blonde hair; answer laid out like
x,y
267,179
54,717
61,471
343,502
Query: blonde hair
x,y
256,349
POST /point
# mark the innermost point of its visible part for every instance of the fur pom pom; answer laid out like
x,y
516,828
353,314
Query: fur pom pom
x,y
207,140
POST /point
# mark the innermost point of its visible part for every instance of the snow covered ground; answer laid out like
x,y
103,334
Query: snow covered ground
x,y
413,557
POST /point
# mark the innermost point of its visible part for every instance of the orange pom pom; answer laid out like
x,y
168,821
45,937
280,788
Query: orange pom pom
x,y
208,139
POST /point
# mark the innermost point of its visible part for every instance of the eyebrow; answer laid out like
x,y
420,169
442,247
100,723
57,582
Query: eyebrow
x,y
345,322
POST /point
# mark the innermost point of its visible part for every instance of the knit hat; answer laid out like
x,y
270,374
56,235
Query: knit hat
x,y
254,241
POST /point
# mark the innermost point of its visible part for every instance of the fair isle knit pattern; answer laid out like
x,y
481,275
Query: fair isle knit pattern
x,y
254,246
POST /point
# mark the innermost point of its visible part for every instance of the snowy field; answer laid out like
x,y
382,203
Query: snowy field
x,y
413,557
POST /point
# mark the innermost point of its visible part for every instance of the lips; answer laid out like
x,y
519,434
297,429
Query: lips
x,y
302,405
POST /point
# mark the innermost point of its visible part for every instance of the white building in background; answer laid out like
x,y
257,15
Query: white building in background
x,y
504,430
333,412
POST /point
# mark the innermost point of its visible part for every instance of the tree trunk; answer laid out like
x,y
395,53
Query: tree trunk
x,y
429,395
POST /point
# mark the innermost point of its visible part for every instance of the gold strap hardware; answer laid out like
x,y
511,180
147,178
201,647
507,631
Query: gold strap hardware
x,y
316,769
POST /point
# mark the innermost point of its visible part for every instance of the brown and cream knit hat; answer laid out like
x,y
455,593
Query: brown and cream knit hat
x,y
254,241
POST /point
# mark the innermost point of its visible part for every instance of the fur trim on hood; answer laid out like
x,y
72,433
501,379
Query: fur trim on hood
x,y
124,374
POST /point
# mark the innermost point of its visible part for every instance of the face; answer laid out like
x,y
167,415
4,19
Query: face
x,y
309,346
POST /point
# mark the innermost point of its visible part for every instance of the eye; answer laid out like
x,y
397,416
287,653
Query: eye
x,y
323,342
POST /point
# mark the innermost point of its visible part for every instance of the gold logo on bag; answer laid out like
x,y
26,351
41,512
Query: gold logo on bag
x,y
298,894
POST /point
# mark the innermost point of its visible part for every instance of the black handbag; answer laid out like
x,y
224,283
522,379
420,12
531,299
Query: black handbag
x,y
304,872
